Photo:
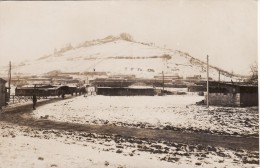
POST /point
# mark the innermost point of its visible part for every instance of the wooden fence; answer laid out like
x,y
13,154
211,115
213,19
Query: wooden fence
x,y
18,99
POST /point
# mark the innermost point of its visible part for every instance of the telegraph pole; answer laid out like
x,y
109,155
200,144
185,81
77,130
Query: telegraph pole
x,y
9,76
219,76
207,81
163,81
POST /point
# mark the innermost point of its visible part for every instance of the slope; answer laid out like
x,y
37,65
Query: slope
x,y
119,55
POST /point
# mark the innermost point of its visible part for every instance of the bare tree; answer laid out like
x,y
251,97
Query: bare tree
x,y
254,73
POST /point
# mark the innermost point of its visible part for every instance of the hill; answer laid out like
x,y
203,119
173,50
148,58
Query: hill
x,y
121,55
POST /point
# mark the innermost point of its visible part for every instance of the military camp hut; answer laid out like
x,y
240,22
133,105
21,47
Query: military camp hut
x,y
121,87
232,94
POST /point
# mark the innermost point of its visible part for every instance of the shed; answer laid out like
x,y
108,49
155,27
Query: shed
x,y
233,94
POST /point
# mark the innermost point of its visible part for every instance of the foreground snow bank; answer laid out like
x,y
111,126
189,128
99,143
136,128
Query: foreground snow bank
x,y
163,112
31,150
30,147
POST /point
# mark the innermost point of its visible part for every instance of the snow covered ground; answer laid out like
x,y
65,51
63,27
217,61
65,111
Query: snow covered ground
x,y
35,148
176,112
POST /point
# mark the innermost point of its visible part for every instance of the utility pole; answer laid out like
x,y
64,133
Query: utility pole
x,y
9,76
219,76
163,81
207,81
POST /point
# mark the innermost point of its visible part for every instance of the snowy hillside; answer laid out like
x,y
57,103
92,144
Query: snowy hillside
x,y
119,55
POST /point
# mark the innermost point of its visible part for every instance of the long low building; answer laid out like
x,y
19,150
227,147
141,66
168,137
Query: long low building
x,y
126,88
228,94
126,91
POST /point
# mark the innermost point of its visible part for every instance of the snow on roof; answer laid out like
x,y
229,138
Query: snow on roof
x,y
140,87
244,84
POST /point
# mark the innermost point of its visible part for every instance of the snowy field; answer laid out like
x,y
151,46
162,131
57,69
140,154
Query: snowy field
x,y
175,112
35,148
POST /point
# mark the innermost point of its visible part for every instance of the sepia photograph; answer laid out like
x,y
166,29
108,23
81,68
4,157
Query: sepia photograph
x,y
129,84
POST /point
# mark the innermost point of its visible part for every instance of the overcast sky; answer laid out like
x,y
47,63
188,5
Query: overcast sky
x,y
226,30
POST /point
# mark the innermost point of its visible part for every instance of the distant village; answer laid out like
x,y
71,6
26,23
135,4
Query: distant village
x,y
60,84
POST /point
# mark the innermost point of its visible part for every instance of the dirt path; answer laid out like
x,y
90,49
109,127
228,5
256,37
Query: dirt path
x,y
21,116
